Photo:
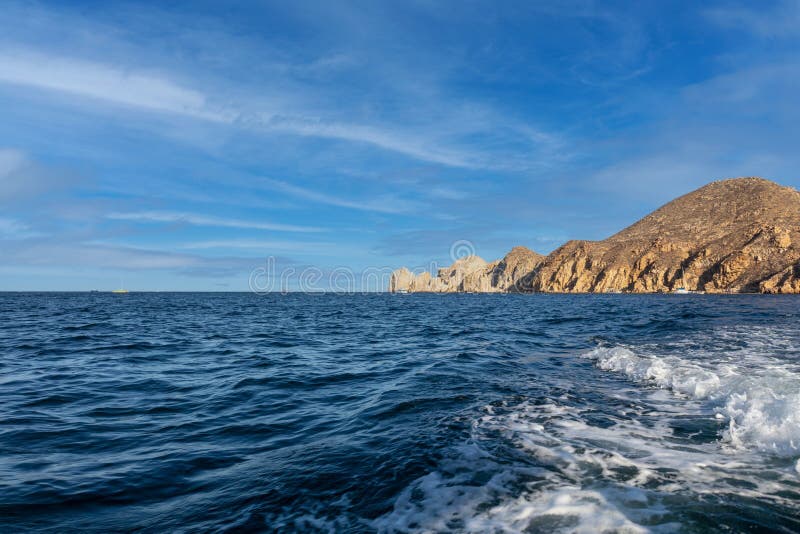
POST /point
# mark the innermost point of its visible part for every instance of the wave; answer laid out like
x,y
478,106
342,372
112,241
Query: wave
x,y
756,394
550,467
627,459
476,493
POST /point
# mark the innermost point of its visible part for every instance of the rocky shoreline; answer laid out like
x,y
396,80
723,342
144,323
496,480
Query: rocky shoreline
x,y
740,235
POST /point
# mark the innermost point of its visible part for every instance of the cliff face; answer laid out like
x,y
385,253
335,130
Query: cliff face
x,y
729,236
472,274
514,271
738,235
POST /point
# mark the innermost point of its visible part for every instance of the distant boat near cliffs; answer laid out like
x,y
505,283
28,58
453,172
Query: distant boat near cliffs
x,y
740,235
682,290
121,289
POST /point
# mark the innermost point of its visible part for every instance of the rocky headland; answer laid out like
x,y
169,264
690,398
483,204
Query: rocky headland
x,y
731,236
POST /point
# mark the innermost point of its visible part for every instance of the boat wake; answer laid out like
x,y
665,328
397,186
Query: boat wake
x,y
716,433
754,389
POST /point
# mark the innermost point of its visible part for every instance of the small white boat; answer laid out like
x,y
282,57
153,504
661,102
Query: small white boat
x,y
682,290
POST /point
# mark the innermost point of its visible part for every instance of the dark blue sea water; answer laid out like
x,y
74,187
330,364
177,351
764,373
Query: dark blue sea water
x,y
416,413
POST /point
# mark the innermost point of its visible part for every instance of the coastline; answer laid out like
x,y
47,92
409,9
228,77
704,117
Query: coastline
x,y
740,235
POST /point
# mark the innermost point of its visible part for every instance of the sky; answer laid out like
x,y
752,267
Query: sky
x,y
194,145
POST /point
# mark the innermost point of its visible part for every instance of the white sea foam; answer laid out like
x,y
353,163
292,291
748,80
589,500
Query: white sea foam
x,y
573,477
566,465
561,473
757,394
476,494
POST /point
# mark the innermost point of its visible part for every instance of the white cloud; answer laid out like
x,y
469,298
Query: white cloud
x,y
22,177
64,254
447,193
783,20
104,82
272,247
10,161
207,220
250,244
97,256
755,90
411,144
12,181
387,204
14,229
156,92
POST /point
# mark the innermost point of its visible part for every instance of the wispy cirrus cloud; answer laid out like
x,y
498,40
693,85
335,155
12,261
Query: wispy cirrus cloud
x,y
10,161
272,247
255,244
154,91
53,254
409,143
780,20
114,84
207,220
21,177
385,204
15,229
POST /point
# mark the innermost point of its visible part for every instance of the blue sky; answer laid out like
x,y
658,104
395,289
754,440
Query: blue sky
x,y
176,148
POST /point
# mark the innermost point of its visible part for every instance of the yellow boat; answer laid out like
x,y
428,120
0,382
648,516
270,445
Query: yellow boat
x,y
120,291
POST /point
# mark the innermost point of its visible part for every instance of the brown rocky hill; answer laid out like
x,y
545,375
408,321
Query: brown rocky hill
x,y
738,235
728,236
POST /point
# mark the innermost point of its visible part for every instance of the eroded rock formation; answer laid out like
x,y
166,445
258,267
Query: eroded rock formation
x,y
739,235
473,274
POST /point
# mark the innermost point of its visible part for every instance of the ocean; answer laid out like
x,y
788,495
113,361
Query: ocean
x,y
203,412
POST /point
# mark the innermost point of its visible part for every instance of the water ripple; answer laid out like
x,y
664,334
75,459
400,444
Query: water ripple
x,y
363,413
